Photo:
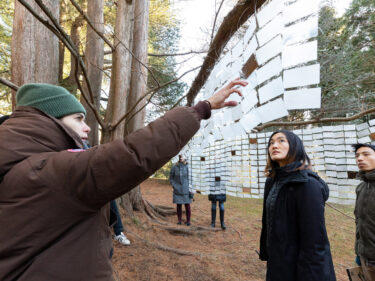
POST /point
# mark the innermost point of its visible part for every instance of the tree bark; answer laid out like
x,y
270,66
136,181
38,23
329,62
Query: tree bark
x,y
35,49
138,85
121,70
94,61
74,35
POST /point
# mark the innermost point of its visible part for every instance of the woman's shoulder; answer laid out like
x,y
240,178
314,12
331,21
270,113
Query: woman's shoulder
x,y
314,178
316,184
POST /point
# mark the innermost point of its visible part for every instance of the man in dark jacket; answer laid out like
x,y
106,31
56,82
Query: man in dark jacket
x,y
54,196
364,210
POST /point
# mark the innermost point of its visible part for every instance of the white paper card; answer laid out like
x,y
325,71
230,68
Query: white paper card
x,y
270,30
301,31
198,151
227,132
250,30
252,81
271,90
269,11
269,50
227,116
303,99
218,119
224,61
250,120
209,128
219,72
302,76
300,9
205,142
237,51
217,134
250,48
293,55
238,130
236,112
211,139
272,110
272,68
249,101
234,97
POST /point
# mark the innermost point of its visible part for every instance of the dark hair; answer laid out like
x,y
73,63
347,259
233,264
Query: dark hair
x,y
359,145
296,153
3,118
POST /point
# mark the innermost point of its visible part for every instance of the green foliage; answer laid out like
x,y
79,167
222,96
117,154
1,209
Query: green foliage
x,y
347,59
163,172
164,34
135,221
6,18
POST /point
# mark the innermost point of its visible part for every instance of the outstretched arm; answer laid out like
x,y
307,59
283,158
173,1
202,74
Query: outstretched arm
x,y
105,172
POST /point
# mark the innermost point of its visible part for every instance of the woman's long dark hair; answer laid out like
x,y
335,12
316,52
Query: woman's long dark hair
x,y
296,153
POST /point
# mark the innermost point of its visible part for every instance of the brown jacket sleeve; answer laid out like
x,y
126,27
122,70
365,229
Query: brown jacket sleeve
x,y
105,172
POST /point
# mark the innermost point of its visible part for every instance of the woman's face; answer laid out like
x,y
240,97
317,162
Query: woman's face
x,y
278,149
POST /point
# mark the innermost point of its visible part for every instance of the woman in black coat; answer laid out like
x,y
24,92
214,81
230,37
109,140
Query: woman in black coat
x,y
294,239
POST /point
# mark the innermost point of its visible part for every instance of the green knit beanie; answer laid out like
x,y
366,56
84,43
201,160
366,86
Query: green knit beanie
x,y
53,100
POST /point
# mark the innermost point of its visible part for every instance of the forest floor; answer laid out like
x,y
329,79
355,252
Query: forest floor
x,y
211,255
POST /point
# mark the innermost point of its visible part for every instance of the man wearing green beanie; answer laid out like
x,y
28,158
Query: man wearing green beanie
x,y
54,196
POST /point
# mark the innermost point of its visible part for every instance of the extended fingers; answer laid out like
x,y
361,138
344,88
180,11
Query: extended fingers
x,y
230,103
235,90
237,82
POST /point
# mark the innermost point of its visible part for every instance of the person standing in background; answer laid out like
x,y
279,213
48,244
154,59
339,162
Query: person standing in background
x,y
218,195
179,179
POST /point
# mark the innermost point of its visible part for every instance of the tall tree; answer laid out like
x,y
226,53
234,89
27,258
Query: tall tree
x,y
35,49
94,60
164,35
347,59
6,16
138,87
121,70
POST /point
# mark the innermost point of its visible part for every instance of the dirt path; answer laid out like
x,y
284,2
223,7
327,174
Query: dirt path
x,y
222,255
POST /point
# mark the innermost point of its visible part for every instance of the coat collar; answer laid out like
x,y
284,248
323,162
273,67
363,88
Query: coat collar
x,y
288,173
367,176
30,131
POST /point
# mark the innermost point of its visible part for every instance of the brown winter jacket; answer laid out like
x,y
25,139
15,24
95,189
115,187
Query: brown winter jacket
x,y
54,216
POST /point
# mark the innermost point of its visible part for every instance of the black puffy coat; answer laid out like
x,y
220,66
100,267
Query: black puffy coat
x,y
298,247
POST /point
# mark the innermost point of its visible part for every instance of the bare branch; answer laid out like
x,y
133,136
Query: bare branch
x,y
60,33
72,45
231,23
315,121
101,35
178,54
153,91
139,61
213,27
9,84
167,55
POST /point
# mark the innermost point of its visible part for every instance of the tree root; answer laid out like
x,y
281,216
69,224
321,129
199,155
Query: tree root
x,y
165,207
150,212
166,248
239,233
191,230
162,210
174,250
